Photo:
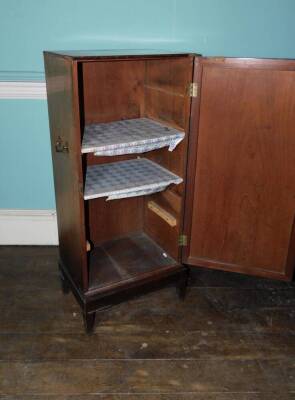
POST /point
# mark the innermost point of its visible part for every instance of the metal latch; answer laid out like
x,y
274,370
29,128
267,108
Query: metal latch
x,y
60,146
182,240
193,89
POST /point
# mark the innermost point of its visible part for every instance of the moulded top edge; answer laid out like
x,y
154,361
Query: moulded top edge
x,y
123,53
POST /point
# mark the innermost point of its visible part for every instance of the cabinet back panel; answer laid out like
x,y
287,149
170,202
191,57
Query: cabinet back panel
x,y
112,90
115,218
91,159
244,196
157,89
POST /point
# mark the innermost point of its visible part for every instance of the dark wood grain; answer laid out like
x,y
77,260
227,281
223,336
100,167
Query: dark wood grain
x,y
156,88
113,90
103,90
244,190
231,339
192,156
237,194
37,287
167,100
168,76
203,345
141,376
124,258
113,219
278,64
62,96
157,228
170,396
116,55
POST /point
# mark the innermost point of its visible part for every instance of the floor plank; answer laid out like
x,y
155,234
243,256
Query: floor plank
x,y
233,338
142,376
199,345
171,396
56,313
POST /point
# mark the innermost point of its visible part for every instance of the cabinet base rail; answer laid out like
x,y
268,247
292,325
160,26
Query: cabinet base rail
x,y
92,303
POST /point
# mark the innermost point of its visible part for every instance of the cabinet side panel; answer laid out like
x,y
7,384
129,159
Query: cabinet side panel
x,y
167,100
62,96
244,191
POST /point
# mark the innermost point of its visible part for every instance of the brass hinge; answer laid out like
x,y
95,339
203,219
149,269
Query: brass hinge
x,y
193,89
182,240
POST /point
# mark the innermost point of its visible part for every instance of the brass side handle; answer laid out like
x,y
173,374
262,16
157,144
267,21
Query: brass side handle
x,y
60,146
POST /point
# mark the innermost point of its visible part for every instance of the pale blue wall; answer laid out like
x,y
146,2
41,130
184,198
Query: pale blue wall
x,y
248,28
25,159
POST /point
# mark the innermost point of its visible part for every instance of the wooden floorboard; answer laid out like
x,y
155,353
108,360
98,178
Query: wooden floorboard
x,y
233,338
171,396
145,376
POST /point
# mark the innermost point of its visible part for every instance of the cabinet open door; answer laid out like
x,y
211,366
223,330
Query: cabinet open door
x,y
240,199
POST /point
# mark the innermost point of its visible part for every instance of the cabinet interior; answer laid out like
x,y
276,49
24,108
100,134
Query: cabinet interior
x,y
138,234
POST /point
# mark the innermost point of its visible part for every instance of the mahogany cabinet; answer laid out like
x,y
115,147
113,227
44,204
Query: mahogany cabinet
x,y
166,161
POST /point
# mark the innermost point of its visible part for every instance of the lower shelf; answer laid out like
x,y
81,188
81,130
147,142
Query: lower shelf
x,y
126,259
128,178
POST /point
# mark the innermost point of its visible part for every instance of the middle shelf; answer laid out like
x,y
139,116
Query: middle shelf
x,y
136,177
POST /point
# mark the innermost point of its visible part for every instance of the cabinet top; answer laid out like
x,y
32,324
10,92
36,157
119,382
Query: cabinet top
x,y
123,53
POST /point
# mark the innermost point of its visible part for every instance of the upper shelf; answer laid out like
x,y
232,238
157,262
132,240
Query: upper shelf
x,y
136,177
129,136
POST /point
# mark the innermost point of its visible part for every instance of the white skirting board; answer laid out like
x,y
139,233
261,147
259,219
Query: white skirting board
x,y
28,227
23,90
